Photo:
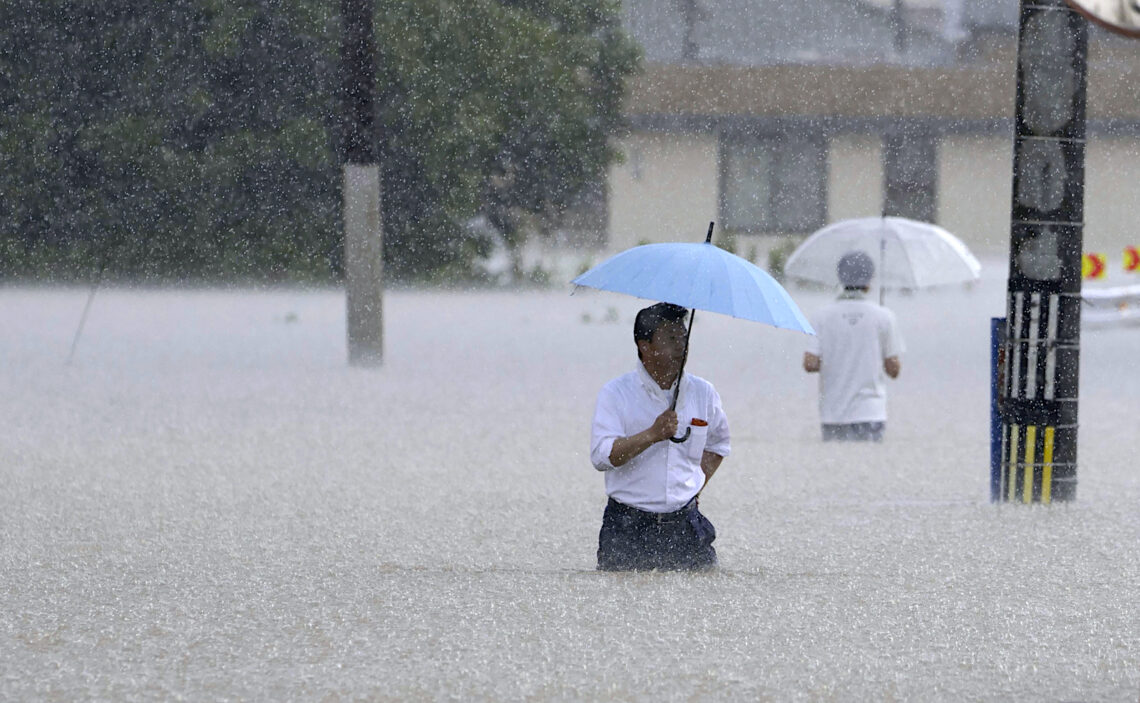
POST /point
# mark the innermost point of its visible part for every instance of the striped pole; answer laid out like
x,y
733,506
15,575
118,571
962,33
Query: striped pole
x,y
1039,392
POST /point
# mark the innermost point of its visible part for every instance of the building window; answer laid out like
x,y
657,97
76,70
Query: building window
x,y
773,183
911,172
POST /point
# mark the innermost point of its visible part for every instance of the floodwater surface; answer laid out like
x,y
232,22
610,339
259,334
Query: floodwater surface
x,y
208,503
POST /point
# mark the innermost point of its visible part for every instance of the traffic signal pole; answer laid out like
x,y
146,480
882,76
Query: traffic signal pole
x,y
1039,373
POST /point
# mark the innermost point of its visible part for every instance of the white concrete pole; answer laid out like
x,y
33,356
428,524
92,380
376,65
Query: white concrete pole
x,y
363,264
363,243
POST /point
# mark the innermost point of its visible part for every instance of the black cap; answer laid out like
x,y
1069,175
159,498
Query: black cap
x,y
855,269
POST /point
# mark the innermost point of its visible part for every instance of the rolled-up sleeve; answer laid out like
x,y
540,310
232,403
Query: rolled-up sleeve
x,y
890,339
718,441
606,428
813,340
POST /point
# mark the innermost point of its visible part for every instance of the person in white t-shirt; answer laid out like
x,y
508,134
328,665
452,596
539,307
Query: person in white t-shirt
x,y
651,520
856,347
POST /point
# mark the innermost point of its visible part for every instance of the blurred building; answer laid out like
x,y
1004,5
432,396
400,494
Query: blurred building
x,y
775,117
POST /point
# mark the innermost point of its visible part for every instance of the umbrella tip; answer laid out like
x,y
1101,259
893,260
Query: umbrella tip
x,y
708,237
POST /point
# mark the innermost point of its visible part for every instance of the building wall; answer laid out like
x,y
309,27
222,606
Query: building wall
x,y
1112,171
855,177
975,177
665,191
975,190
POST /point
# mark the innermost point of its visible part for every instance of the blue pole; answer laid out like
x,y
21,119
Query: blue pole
x,y
997,328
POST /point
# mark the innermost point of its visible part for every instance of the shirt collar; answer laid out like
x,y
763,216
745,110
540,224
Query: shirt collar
x,y
852,294
651,386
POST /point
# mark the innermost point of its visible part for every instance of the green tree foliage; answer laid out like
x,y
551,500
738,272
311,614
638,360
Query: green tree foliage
x,y
175,139
564,102
499,107
198,138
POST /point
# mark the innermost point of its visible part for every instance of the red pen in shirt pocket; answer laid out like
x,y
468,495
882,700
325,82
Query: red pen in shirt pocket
x,y
697,422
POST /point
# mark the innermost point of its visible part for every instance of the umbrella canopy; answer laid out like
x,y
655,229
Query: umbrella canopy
x,y
908,253
700,277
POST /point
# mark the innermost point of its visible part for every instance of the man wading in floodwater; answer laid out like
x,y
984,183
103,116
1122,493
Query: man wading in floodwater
x,y
651,520
856,347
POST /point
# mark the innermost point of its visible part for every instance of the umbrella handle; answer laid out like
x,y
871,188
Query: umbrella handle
x,y
882,258
681,371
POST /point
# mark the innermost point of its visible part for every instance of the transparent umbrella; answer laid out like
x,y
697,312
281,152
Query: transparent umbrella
x,y
910,254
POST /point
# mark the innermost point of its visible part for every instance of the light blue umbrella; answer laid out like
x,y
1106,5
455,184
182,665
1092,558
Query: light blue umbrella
x,y
698,277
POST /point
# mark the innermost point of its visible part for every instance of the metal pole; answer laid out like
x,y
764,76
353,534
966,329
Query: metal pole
x,y
1042,341
997,334
90,298
363,243
82,320
685,358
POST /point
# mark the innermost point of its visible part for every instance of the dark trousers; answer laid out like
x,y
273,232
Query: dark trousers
x,y
636,540
855,432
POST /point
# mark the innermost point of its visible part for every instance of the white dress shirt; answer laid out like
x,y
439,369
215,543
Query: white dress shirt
x,y
852,338
667,475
